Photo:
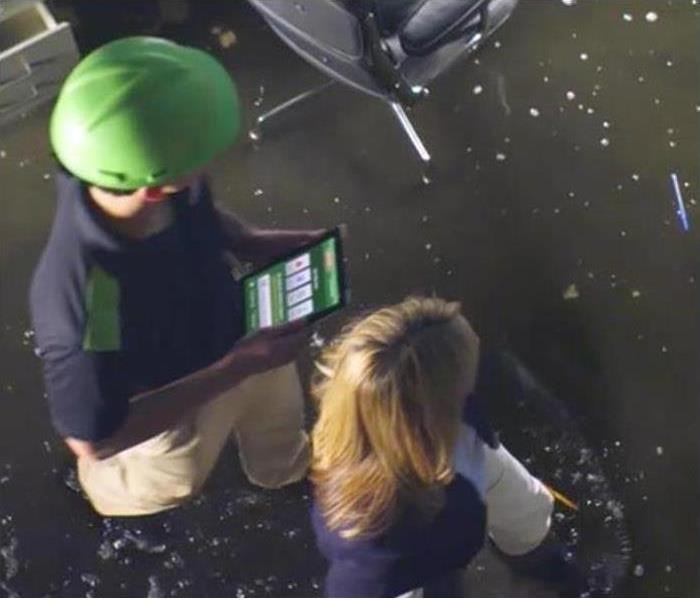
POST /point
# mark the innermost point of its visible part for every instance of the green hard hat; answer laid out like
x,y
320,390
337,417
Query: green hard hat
x,y
143,111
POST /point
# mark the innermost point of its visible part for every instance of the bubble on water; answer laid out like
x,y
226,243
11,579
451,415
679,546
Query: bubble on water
x,y
627,17
428,246
534,112
659,450
635,176
636,293
570,95
583,56
3,154
258,192
154,590
668,568
606,124
292,533
664,349
638,570
569,2
651,17
90,579
605,142
477,90
106,550
500,156
174,561
616,509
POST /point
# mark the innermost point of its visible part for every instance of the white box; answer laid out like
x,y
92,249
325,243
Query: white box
x,y
36,55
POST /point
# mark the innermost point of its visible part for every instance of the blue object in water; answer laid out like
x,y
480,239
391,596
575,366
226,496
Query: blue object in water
x,y
681,212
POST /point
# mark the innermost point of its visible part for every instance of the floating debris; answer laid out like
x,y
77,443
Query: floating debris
x,y
680,205
659,450
638,570
627,17
260,98
651,17
227,39
583,56
605,142
570,95
9,554
534,112
571,292
636,293
500,157
477,90
569,2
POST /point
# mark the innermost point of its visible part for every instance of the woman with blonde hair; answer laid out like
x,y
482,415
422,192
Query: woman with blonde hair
x,y
402,480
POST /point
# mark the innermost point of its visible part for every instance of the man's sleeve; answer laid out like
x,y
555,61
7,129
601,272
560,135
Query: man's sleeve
x,y
87,398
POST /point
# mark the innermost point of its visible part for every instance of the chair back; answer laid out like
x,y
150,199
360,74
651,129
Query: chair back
x,y
324,33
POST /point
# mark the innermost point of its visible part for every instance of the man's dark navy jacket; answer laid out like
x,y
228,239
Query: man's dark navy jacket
x,y
115,317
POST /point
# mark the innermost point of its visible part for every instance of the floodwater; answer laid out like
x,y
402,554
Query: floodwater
x,y
551,216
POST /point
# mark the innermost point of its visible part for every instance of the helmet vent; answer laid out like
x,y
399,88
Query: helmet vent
x,y
157,175
120,177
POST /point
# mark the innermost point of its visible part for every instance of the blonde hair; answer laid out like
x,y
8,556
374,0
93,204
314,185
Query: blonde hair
x,y
388,414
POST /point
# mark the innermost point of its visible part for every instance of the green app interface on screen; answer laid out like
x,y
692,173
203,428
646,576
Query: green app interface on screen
x,y
289,290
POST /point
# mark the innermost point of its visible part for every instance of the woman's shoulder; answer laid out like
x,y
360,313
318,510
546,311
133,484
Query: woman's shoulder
x,y
463,511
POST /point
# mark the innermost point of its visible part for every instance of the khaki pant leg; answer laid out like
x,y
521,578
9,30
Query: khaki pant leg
x,y
519,507
272,444
168,469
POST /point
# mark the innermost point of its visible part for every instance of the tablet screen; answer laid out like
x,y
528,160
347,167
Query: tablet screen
x,y
307,284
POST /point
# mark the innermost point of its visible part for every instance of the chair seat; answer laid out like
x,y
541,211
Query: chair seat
x,y
436,22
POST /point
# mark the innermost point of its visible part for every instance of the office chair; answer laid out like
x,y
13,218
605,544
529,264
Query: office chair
x,y
389,49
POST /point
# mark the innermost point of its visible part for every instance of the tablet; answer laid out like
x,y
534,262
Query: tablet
x,y
308,283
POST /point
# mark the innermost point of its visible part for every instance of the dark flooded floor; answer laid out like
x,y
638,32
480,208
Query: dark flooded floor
x,y
551,217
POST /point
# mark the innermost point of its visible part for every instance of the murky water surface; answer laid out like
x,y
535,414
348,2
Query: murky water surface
x,y
551,216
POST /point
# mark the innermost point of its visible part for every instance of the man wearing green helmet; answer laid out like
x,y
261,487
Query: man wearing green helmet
x,y
138,320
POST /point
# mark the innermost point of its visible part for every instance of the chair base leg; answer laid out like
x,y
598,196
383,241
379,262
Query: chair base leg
x,y
256,133
415,139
